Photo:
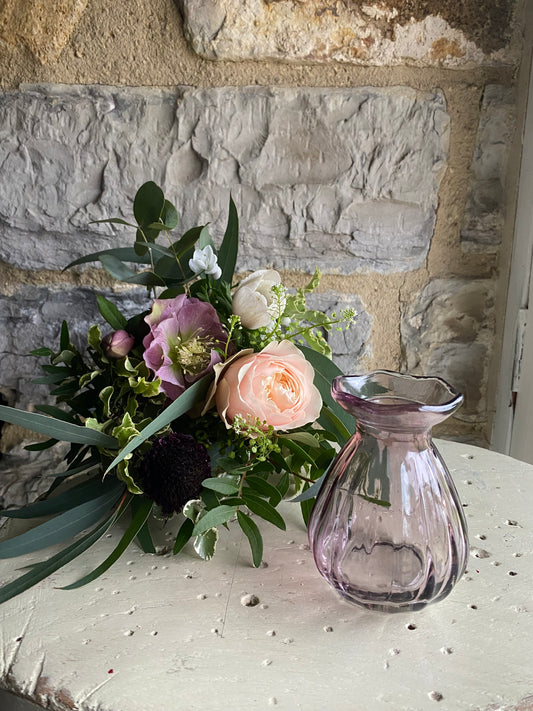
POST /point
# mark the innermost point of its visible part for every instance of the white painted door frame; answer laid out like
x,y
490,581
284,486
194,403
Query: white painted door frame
x,y
513,423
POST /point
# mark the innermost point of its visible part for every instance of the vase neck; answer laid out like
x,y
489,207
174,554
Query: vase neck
x,y
419,437
395,403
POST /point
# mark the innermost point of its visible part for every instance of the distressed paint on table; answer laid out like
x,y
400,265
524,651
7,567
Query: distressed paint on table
x,y
167,633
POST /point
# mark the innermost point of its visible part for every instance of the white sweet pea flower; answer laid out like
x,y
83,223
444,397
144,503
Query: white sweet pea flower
x,y
255,301
205,260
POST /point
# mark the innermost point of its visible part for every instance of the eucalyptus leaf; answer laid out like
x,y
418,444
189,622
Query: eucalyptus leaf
x,y
56,412
124,254
325,371
183,535
311,492
121,272
306,507
78,494
205,239
65,525
148,204
51,427
137,522
40,446
42,570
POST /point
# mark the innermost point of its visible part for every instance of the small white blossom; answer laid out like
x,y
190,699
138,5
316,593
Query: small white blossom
x,y
205,260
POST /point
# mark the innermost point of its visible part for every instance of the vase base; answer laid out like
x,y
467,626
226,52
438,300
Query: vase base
x,y
388,605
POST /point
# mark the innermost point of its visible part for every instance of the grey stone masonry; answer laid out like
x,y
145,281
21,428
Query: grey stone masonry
x,y
344,178
484,212
447,330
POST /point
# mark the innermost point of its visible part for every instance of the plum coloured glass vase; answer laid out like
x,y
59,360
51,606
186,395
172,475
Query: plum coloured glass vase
x,y
387,530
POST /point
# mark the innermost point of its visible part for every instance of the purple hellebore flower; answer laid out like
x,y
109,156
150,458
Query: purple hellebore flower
x,y
181,346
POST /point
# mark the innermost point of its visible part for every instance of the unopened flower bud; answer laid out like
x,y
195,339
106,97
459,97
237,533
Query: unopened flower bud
x,y
117,344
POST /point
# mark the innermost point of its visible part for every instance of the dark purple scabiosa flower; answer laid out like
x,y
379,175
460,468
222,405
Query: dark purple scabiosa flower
x,y
172,471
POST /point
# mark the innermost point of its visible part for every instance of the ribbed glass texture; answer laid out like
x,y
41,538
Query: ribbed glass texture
x,y
388,530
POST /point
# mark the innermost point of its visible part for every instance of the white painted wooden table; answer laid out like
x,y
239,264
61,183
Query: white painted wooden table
x,y
172,634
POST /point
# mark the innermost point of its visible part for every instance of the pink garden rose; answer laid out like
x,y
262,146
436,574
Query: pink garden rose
x,y
274,386
181,347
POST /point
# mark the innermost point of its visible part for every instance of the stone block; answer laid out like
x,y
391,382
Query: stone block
x,y
484,212
447,330
344,178
389,32
43,26
352,346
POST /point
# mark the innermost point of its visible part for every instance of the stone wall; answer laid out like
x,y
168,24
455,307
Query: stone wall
x,y
371,140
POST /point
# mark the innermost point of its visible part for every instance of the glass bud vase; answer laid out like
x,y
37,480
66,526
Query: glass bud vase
x,y
387,529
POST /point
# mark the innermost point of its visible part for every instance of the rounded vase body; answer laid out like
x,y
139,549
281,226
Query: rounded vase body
x,y
387,530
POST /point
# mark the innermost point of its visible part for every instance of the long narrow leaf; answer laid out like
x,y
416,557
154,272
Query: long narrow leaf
x,y
86,465
85,491
262,508
125,254
297,450
137,522
40,446
42,570
144,537
310,492
57,429
110,312
253,534
65,525
120,271
183,536
325,371
180,406
227,254
56,412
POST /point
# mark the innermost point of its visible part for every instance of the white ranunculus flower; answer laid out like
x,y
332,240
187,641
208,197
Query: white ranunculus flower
x,y
254,300
205,260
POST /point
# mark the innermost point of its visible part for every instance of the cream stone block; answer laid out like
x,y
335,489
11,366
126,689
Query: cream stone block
x,y
44,26
389,32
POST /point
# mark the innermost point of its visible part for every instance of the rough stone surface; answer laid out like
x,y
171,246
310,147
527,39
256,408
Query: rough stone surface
x,y
346,178
43,26
350,347
23,475
447,330
32,318
389,32
484,212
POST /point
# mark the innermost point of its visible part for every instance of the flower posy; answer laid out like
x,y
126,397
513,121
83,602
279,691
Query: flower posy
x,y
204,403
